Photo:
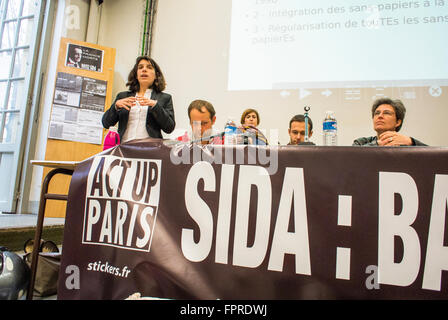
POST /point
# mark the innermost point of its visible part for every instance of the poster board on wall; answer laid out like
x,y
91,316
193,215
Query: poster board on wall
x,y
82,91
78,105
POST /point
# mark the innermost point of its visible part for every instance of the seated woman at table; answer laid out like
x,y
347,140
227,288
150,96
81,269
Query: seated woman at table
x,y
144,110
250,119
388,116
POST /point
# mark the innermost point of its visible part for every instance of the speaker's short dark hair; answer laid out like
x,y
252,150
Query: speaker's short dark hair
x,y
198,104
301,118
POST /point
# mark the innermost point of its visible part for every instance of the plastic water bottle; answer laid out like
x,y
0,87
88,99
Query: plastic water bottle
x,y
230,133
330,129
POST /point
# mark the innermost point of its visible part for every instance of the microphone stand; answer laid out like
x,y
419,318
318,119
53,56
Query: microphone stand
x,y
306,108
307,139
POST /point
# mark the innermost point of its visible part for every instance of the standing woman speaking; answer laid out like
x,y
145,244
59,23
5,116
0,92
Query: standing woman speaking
x,y
144,110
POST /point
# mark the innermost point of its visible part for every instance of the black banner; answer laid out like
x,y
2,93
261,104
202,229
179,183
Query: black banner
x,y
254,222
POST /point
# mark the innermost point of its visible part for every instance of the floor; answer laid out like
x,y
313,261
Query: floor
x,y
26,220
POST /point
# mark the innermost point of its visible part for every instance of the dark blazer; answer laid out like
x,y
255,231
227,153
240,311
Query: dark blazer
x,y
160,117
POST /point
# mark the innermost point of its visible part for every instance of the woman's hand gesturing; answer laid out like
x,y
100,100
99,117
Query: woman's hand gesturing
x,y
125,103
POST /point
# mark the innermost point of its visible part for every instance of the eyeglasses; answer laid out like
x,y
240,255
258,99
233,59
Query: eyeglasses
x,y
385,113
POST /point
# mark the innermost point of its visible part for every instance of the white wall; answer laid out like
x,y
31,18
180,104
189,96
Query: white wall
x,y
121,27
191,46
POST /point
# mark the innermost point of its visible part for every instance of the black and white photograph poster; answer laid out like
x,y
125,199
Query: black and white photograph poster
x,y
78,106
82,57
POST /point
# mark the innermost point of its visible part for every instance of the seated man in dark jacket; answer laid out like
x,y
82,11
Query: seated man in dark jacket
x,y
388,116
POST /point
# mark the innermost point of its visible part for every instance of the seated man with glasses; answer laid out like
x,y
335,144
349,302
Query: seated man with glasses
x,y
388,116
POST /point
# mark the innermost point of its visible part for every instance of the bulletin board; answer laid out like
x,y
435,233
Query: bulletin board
x,y
82,91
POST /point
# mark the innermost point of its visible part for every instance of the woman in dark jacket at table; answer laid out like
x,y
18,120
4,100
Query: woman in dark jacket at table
x,y
144,110
388,116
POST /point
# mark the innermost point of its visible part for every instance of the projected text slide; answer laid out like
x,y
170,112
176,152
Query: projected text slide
x,y
288,44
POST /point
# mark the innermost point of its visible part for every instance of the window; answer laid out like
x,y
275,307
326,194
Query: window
x,y
18,24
